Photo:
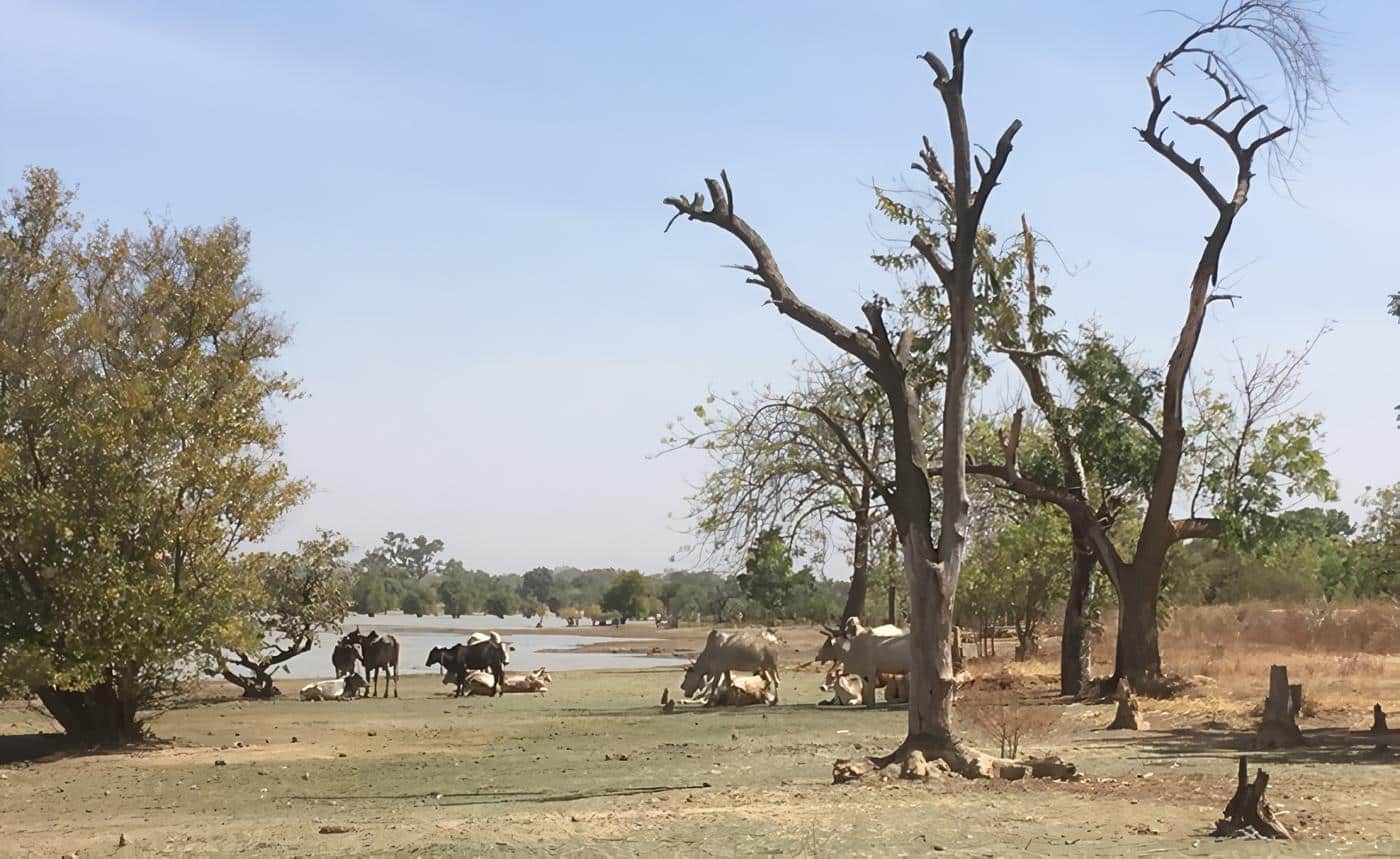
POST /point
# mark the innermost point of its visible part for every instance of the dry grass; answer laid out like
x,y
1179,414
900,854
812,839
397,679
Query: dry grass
x,y
1346,655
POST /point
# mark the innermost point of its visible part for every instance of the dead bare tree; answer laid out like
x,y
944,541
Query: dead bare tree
x,y
1242,122
932,562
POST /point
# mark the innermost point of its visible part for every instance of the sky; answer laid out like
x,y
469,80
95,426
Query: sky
x,y
457,208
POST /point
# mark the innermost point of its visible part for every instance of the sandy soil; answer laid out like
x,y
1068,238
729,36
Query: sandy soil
x,y
427,773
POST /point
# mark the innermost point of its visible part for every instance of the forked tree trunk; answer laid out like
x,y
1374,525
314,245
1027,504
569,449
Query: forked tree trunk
x,y
1076,658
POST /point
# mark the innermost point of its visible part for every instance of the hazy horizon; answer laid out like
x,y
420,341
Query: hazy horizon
x,y
458,209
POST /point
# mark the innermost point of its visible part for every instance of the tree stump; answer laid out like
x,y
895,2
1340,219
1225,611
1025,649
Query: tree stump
x,y
1378,726
1279,730
1128,717
1248,812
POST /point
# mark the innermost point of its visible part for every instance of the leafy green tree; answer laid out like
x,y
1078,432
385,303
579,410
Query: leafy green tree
x,y
500,604
1377,546
1017,568
288,599
629,596
769,580
370,593
455,595
138,453
537,584
418,599
416,557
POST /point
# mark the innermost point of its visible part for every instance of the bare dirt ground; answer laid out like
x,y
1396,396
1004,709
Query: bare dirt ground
x,y
594,768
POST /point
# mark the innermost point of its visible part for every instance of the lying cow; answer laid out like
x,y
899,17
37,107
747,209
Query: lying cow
x,y
534,681
340,689
725,652
485,653
743,692
845,688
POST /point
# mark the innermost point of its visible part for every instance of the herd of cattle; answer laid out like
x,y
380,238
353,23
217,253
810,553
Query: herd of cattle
x,y
862,659
477,667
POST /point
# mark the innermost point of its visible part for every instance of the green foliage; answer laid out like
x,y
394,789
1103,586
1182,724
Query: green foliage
x,y
1017,569
1114,397
629,595
537,584
1377,546
416,557
1250,458
418,599
500,604
138,450
772,586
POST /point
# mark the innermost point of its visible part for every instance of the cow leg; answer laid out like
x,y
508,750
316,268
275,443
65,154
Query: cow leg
x,y
867,690
396,682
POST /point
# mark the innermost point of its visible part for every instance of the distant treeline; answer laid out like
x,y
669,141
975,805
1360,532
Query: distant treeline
x,y
409,574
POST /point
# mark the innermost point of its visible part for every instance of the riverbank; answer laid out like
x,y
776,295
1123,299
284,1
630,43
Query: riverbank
x,y
595,768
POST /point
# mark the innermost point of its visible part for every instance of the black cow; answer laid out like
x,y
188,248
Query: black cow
x,y
459,660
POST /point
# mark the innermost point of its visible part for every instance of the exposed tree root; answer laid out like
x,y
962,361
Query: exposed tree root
x,y
921,757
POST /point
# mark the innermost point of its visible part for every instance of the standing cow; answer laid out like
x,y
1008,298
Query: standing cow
x,y
867,653
378,653
487,653
724,652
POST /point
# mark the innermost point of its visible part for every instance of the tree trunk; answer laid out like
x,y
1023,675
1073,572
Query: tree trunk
x,y
1139,658
860,566
931,663
258,686
99,715
1076,666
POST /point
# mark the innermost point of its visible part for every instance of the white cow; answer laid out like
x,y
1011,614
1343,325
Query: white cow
x,y
534,681
742,692
869,655
342,689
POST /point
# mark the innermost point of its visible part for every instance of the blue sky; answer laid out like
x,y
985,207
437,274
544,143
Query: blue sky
x,y
457,207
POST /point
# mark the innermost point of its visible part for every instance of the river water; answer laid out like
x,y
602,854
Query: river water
x,y
418,635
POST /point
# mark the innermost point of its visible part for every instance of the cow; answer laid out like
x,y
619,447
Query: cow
x,y
487,653
845,688
868,655
344,657
726,652
339,689
743,692
836,646
378,653
533,681
481,683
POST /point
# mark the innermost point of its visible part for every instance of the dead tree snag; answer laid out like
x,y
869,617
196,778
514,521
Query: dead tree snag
x,y
1248,812
933,550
